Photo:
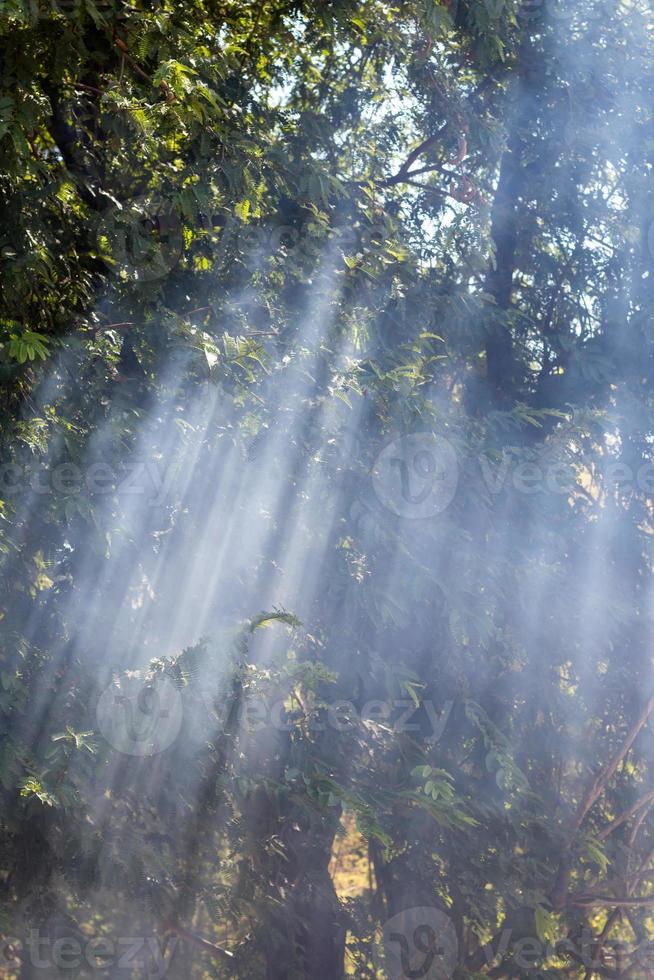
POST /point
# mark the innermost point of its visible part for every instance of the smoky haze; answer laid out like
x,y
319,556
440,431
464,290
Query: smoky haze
x,y
400,542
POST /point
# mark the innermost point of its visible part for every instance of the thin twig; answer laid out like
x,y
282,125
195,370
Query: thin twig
x,y
590,797
606,901
597,961
204,944
599,784
626,815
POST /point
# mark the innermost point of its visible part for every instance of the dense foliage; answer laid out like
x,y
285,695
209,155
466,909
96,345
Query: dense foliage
x,y
245,248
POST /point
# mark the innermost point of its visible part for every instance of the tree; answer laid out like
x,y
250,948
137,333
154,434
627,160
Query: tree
x,y
338,311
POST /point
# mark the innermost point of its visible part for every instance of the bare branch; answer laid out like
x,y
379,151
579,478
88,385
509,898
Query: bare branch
x,y
626,815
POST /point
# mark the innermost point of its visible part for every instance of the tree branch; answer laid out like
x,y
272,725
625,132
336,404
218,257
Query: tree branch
x,y
626,815
590,797
599,784
211,948
606,901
